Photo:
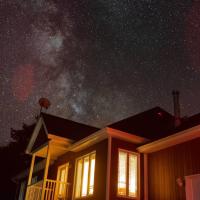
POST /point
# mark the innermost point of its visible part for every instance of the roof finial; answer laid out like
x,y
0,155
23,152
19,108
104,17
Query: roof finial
x,y
44,103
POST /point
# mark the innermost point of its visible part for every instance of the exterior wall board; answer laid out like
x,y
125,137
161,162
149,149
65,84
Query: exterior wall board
x,y
100,169
165,166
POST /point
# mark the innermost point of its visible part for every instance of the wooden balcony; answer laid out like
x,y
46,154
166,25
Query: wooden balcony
x,y
47,189
53,190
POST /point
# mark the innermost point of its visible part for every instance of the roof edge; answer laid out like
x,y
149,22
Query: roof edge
x,y
104,134
115,133
172,140
138,114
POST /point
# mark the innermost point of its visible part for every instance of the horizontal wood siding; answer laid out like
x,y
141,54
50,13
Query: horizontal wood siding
x,y
100,169
165,166
116,145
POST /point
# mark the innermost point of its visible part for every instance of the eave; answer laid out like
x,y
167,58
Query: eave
x,y
172,140
104,134
62,145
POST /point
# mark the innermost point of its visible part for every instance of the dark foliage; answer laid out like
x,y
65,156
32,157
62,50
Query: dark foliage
x,y
14,160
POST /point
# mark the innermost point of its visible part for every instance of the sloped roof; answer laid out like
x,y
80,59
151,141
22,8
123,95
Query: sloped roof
x,y
152,124
187,122
67,128
155,124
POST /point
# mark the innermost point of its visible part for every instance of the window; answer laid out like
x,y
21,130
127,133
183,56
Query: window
x,y
62,180
85,169
127,174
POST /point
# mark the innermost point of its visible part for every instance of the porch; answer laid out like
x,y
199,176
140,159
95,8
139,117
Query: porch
x,y
48,189
53,190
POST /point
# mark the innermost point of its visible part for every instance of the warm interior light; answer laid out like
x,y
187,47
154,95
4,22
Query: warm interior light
x,y
85,176
132,175
92,169
122,173
127,174
78,178
62,178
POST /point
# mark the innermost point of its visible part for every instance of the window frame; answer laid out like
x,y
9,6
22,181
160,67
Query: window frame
x,y
66,168
127,173
75,175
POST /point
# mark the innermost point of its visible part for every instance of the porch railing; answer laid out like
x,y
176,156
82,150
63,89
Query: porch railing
x,y
54,190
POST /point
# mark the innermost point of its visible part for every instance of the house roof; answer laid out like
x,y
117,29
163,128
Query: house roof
x,y
186,123
67,128
153,124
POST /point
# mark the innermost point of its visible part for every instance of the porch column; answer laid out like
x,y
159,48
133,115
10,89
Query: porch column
x,y
31,169
109,155
146,176
30,174
46,171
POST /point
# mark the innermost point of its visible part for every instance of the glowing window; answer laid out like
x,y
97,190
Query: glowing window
x,y
62,180
85,170
127,174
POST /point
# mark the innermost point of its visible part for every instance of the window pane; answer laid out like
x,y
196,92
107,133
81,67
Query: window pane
x,y
78,178
132,175
62,180
85,176
85,170
122,173
92,169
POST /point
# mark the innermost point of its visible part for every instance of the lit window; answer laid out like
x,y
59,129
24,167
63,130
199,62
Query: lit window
x,y
62,179
127,174
85,169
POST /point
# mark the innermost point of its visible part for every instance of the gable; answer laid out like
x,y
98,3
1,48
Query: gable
x,y
39,136
40,139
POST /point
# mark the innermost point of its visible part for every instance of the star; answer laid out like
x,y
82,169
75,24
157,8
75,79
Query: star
x,y
96,61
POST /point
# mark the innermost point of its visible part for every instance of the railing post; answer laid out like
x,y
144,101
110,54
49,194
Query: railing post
x,y
46,172
30,173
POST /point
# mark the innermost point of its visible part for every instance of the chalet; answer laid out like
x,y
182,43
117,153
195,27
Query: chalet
x,y
150,156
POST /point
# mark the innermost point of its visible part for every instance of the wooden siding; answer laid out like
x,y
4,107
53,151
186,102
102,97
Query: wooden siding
x,y
116,145
165,166
100,169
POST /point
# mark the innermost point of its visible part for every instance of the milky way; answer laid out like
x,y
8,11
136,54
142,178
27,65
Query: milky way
x,y
97,61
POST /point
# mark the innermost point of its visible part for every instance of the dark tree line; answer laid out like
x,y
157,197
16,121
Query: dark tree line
x,y
14,160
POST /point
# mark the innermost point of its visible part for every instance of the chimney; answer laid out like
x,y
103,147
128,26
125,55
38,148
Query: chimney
x,y
177,114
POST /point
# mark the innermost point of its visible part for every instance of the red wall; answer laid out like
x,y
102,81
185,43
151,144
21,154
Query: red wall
x,y
100,169
165,166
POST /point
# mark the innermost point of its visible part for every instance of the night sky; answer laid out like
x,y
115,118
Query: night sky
x,y
97,61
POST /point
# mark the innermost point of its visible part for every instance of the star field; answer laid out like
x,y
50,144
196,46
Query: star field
x,y
97,61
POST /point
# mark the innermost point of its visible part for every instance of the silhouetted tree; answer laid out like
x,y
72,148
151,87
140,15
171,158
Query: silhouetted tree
x,y
14,160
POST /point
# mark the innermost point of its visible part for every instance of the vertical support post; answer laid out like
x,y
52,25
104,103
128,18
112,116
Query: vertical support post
x,y
31,169
46,171
30,173
109,153
145,176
